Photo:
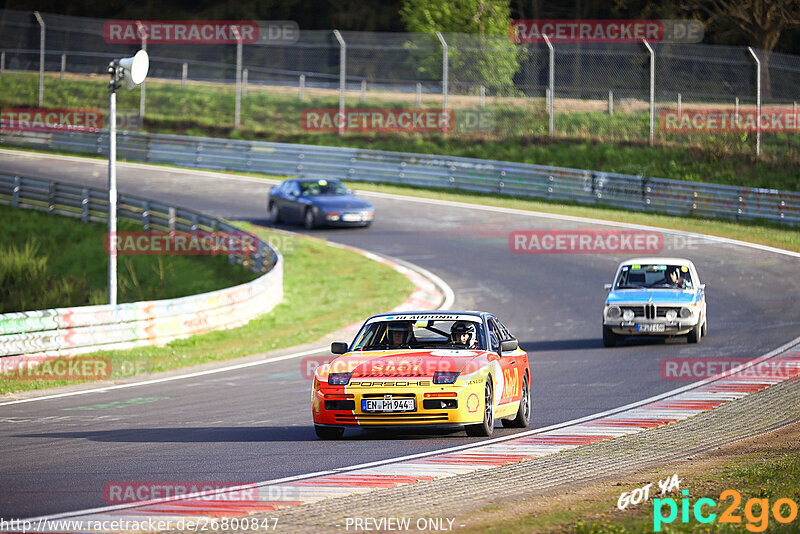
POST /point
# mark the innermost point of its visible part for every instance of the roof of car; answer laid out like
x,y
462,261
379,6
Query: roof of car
x,y
656,259
432,312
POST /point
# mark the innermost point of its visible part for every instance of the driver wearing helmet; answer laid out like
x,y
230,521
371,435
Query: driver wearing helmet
x,y
401,334
464,333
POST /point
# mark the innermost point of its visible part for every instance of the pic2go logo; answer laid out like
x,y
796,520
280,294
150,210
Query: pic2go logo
x,y
756,511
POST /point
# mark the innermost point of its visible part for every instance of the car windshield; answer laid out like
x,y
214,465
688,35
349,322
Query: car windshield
x,y
322,187
654,276
423,334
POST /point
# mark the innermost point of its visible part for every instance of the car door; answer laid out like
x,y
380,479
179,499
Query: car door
x,y
291,202
509,364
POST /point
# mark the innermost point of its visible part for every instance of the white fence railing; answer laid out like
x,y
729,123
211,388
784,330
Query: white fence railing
x,y
65,331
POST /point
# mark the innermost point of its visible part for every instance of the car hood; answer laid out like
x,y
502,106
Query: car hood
x,y
656,296
402,363
340,202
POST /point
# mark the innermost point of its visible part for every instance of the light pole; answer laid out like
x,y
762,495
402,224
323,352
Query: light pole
x,y
132,71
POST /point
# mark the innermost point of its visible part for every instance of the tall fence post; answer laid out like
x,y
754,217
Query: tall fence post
x,y
610,102
184,75
758,100
483,97
679,104
736,106
2,63
63,65
342,78
238,105
41,57
445,69
244,83
551,87
652,88
363,91
419,94
302,93
142,89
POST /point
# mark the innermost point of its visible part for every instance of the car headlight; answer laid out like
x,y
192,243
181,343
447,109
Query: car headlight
x,y
333,216
339,379
686,313
671,315
614,312
627,315
444,377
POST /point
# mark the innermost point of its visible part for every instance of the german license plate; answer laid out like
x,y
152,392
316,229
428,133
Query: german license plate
x,y
387,405
352,217
650,327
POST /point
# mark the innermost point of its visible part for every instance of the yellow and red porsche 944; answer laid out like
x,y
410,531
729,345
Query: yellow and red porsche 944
x,y
429,368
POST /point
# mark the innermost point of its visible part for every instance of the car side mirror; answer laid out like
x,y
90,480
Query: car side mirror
x,y
607,287
702,286
509,345
338,347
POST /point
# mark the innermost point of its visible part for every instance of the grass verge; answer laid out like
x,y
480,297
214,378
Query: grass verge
x,y
38,271
517,129
763,467
325,288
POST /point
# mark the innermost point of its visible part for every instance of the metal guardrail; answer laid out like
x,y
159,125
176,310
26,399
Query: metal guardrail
x,y
64,331
518,179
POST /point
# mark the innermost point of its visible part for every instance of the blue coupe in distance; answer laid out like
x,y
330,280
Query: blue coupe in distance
x,y
318,202
655,297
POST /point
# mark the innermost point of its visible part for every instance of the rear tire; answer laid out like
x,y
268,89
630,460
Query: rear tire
x,y
610,339
484,429
329,432
308,219
523,418
275,213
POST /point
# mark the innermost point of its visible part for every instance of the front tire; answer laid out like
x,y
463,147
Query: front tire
x,y
610,339
523,418
484,429
308,220
695,334
329,432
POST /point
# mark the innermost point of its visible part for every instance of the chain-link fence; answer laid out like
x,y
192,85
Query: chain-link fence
x,y
495,88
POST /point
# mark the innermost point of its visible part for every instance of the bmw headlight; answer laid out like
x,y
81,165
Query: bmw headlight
x,y
627,315
444,377
686,313
614,312
339,379
671,315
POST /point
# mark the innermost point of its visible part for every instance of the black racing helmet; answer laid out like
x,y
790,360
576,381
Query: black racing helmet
x,y
460,328
400,326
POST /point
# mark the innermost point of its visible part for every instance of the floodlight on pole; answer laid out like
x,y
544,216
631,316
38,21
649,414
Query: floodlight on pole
x,y
132,71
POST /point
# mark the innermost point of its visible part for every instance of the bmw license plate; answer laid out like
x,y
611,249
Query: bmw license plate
x,y
650,327
387,405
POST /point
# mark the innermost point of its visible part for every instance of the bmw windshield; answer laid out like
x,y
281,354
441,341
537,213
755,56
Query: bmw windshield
x,y
654,276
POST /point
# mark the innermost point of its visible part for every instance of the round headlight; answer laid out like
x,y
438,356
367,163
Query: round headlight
x,y
627,315
614,312
671,315
686,313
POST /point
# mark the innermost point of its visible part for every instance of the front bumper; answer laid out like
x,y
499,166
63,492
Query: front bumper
x,y
337,406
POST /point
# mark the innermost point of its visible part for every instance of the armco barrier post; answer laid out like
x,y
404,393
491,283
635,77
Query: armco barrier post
x,y
342,78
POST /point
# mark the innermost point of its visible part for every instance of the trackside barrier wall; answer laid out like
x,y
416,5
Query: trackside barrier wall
x,y
66,331
632,192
